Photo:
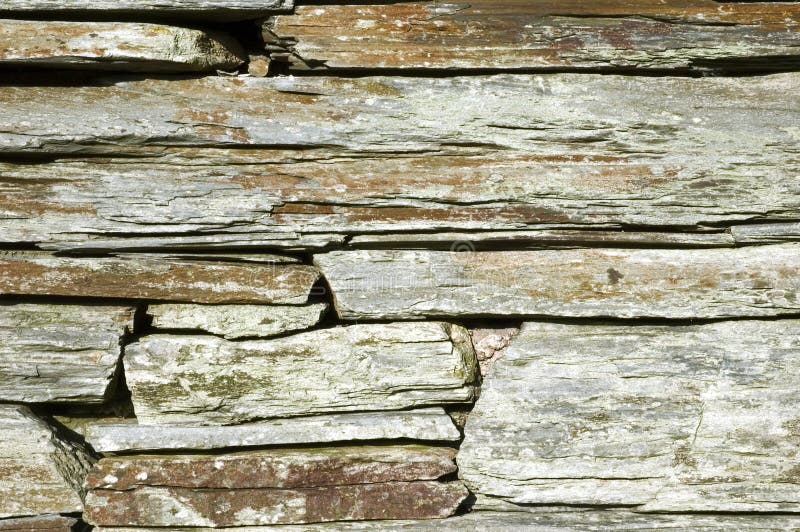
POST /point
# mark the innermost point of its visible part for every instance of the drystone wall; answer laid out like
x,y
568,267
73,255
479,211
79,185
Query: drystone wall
x,y
493,265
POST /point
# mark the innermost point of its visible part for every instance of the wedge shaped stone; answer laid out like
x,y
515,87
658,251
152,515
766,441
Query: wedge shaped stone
x,y
42,473
60,353
126,46
695,418
191,380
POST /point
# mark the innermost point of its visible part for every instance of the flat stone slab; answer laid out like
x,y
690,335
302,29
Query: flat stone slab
x,y
699,418
47,522
207,9
509,34
237,321
622,283
542,520
252,162
34,273
41,472
273,487
60,353
123,46
429,424
204,380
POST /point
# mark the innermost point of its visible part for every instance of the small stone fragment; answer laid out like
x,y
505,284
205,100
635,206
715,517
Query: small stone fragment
x,y
237,321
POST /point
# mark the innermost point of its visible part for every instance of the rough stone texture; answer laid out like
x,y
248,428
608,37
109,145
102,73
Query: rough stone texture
x,y
401,155
664,418
545,520
158,506
212,9
682,35
700,283
431,424
237,321
40,472
115,46
202,380
33,273
279,468
766,233
51,522
60,353
490,344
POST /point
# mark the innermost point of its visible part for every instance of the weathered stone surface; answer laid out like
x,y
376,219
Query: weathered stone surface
x,y
40,473
699,283
663,418
158,506
212,9
237,321
549,520
431,424
401,154
490,344
124,46
766,233
540,239
279,468
685,35
52,522
33,273
191,380
60,353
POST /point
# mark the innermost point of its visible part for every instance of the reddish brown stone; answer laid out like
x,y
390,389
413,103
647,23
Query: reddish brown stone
x,y
31,273
149,506
280,468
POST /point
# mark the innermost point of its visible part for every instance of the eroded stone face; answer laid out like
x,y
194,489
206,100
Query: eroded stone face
x,y
40,472
664,418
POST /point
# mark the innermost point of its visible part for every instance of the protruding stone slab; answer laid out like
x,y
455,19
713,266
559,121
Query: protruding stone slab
x,y
237,321
41,473
60,353
664,418
212,9
274,487
32,273
700,283
131,47
430,424
191,380
681,35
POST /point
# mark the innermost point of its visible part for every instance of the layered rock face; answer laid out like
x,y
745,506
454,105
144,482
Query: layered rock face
x,y
500,265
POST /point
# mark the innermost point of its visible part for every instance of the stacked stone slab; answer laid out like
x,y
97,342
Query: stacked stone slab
x,y
507,265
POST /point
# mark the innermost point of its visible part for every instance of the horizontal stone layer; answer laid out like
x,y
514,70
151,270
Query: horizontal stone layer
x,y
699,418
214,10
698,283
203,380
559,520
279,468
60,353
123,46
34,273
399,154
40,523
682,35
431,424
170,507
237,321
40,472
